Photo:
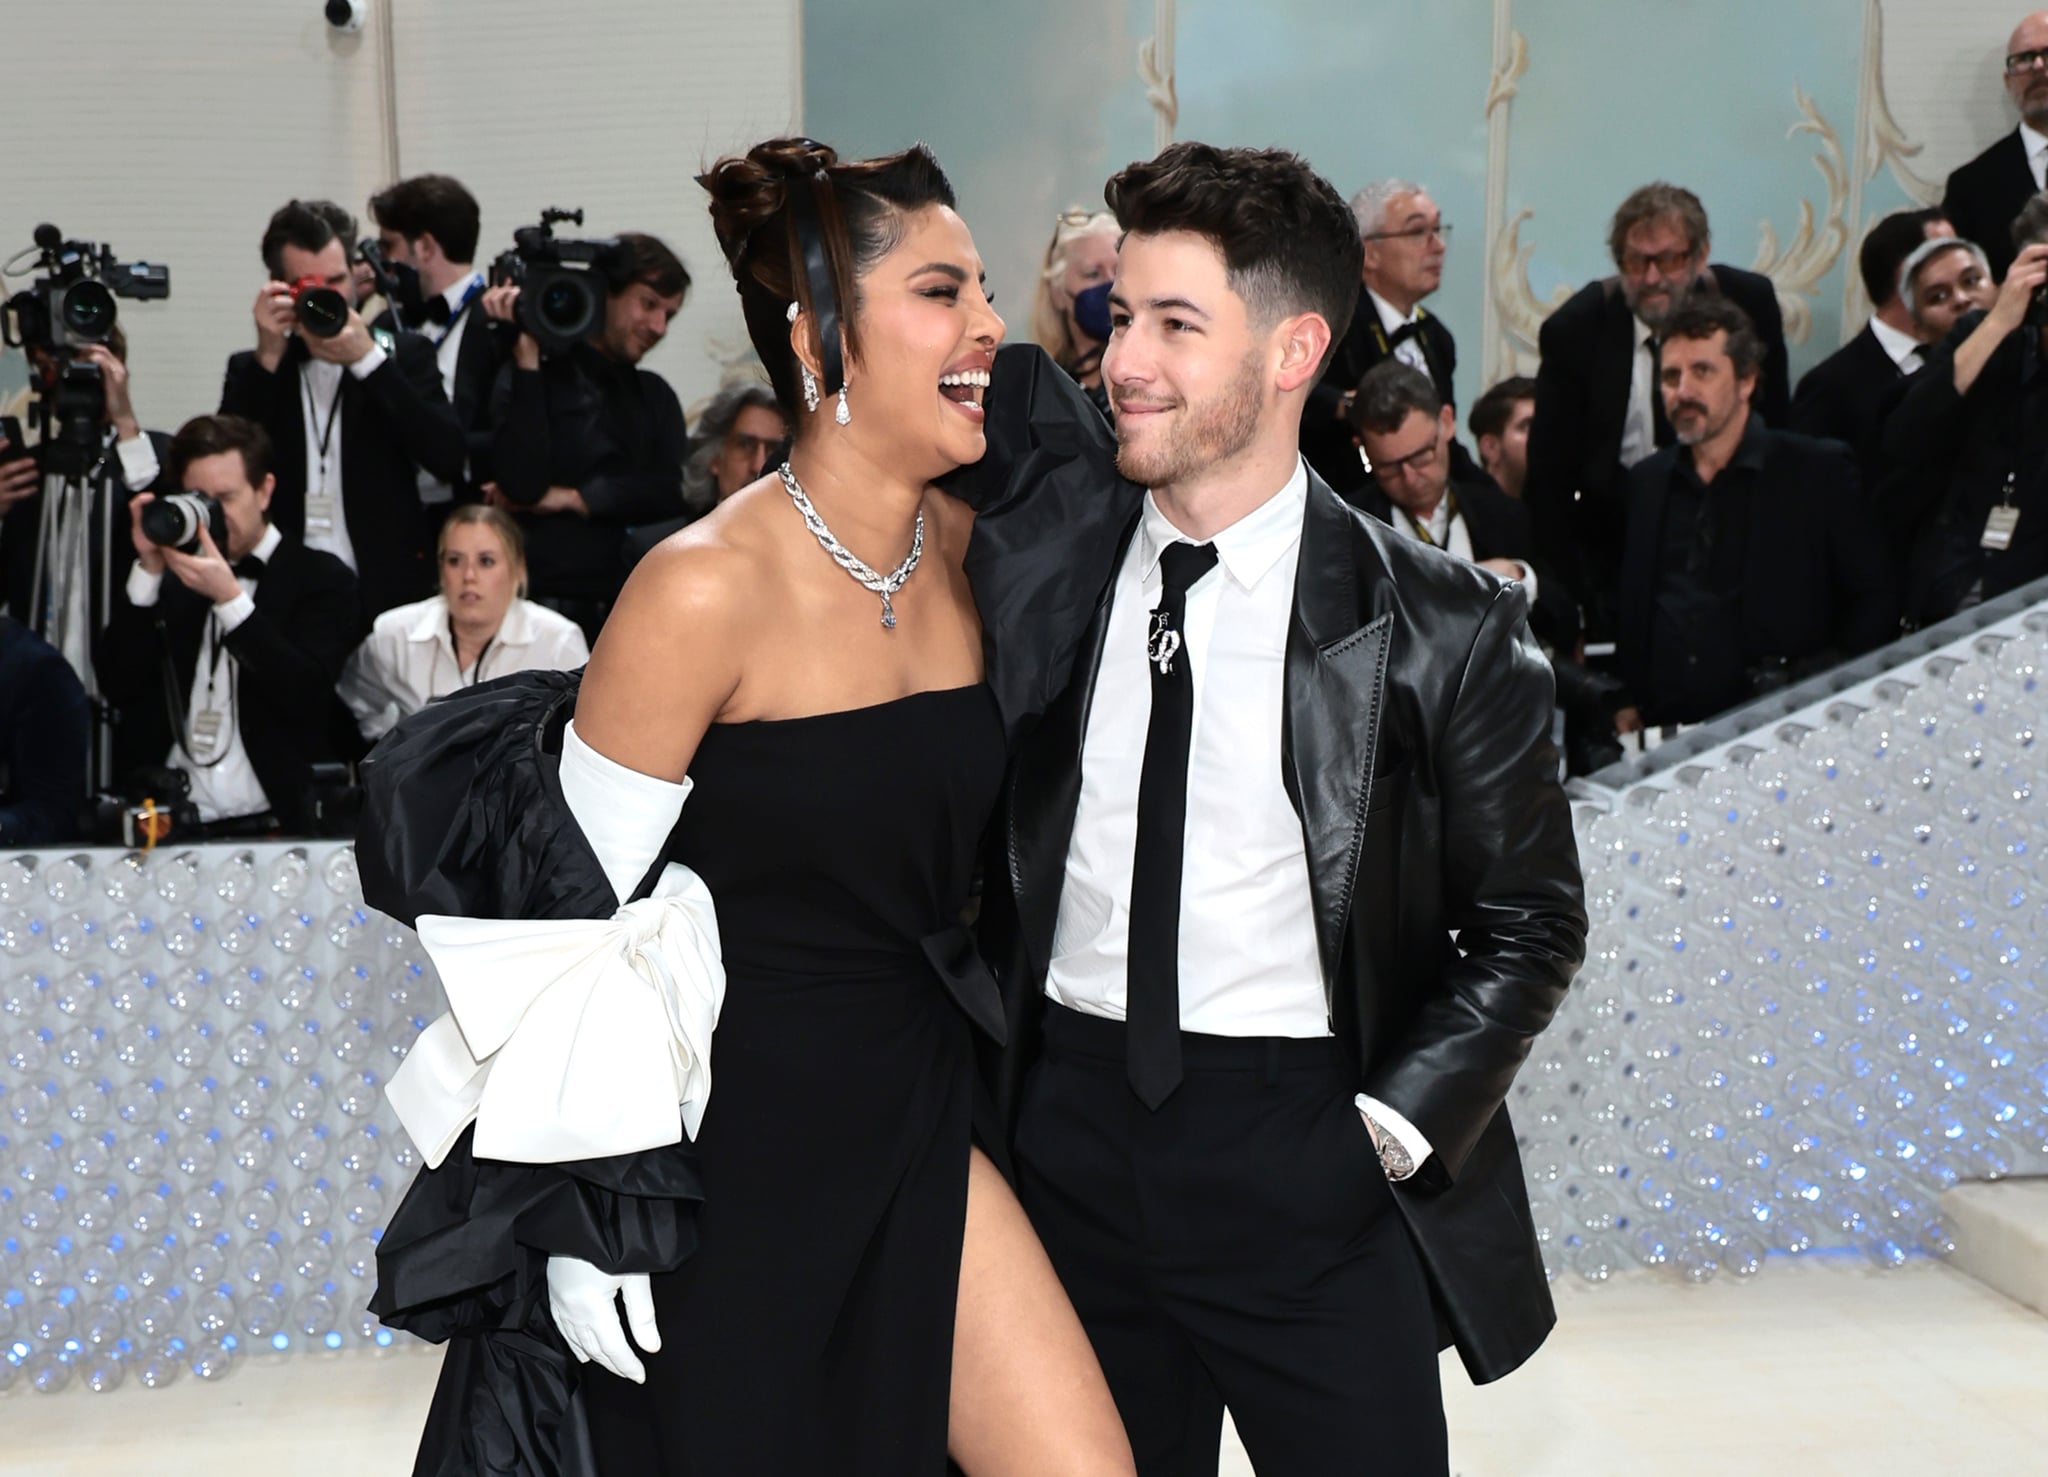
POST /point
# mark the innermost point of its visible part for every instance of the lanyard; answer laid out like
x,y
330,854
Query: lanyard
x,y
313,418
476,671
1422,529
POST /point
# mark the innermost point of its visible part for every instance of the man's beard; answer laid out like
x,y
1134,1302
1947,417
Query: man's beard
x,y
1213,431
1671,304
1702,429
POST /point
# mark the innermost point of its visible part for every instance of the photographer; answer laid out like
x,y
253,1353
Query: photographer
x,y
44,726
427,231
226,671
116,453
1969,499
355,416
587,443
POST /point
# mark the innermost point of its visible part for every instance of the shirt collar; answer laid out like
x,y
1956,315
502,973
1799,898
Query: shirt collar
x,y
1249,547
2034,140
266,547
1899,345
515,630
1390,316
1645,335
457,291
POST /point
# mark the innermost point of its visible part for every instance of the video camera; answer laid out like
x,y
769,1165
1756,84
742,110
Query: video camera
x,y
562,285
72,304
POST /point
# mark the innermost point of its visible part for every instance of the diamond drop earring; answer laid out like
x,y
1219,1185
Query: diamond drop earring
x,y
810,389
842,415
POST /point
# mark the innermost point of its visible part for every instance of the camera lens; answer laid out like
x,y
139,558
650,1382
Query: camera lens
x,y
89,311
567,308
321,311
173,522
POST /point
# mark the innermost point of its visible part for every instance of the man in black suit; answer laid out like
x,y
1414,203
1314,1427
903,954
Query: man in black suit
x,y
1984,195
1970,504
45,733
427,229
354,418
1404,238
226,672
1260,1125
1844,397
1499,422
1752,559
587,444
1597,408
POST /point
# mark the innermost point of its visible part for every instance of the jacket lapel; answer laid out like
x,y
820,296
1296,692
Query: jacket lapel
x,y
1045,785
1336,668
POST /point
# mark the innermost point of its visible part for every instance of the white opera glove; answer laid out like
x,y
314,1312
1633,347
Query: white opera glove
x,y
584,1302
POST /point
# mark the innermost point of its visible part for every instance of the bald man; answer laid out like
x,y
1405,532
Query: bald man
x,y
1986,194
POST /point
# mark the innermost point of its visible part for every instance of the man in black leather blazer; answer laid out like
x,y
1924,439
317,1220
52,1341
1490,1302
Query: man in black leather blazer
x,y
1322,1188
1597,410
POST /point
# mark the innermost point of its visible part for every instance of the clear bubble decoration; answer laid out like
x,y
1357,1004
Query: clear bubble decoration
x,y
1810,1001
196,1159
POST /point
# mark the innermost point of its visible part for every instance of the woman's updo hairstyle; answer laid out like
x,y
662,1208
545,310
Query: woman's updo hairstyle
x,y
798,225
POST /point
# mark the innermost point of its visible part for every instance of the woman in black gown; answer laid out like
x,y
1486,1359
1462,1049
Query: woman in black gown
x,y
864,1295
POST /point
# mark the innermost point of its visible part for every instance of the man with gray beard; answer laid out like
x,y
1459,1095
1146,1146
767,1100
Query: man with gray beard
x,y
1597,410
1751,559
1986,194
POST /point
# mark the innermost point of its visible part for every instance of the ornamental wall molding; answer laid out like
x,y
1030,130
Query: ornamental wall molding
x,y
1155,70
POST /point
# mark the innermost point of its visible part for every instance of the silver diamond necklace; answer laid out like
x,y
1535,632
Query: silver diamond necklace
x,y
884,585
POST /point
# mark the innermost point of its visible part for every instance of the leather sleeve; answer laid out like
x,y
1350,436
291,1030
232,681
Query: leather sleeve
x,y
1512,893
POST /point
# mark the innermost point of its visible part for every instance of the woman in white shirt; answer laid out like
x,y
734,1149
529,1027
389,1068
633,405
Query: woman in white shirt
x,y
480,626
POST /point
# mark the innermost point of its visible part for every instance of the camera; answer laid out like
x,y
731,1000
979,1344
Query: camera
x,y
72,303
321,311
562,285
398,283
174,521
2037,308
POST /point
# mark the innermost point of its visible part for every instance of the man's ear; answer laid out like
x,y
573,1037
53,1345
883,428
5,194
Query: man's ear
x,y
1304,340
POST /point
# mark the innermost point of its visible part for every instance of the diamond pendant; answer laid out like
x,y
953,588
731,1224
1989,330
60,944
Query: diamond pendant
x,y
888,614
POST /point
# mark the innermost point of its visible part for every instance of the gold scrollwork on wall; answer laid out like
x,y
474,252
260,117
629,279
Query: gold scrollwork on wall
x,y
1796,269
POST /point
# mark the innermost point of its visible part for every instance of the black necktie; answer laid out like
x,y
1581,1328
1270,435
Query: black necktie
x,y
1153,974
248,567
1660,423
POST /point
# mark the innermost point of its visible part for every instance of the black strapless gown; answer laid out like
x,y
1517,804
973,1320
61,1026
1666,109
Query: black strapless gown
x,y
812,1332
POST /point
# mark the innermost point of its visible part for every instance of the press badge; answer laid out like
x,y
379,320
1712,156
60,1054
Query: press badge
x,y
206,730
320,513
1999,526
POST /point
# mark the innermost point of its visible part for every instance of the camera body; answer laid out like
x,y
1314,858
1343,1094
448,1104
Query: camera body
x,y
174,521
71,304
563,285
321,311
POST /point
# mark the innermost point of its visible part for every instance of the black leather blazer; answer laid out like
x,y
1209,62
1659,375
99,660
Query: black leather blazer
x,y
1416,741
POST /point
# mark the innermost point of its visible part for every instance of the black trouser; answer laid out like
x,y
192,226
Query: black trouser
x,y
1240,1247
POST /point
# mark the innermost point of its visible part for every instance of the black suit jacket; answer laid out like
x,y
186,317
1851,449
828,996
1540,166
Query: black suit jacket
x,y
1325,440
485,348
1416,729
21,528
1500,528
1577,487
1818,584
288,653
1846,397
1985,195
393,423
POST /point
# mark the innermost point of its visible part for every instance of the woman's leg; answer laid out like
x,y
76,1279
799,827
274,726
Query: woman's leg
x,y
1028,1395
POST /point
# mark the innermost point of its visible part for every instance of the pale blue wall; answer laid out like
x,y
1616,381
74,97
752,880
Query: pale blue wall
x,y
1030,108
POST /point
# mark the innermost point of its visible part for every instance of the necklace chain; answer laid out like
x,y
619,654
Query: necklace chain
x,y
884,585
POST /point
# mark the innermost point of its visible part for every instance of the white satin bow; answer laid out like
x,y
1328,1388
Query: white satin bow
x,y
568,1038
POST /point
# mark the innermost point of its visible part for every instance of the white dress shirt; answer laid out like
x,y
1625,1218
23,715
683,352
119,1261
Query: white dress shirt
x,y
320,406
1249,965
1903,348
228,788
408,659
2036,144
1448,531
1639,427
460,297
1408,352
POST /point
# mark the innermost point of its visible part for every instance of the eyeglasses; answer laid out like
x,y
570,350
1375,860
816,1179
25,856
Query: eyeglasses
x,y
1441,231
2025,61
1418,460
1667,263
